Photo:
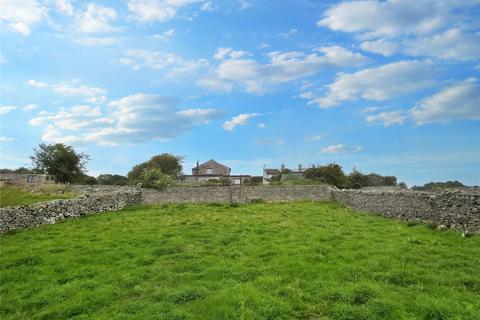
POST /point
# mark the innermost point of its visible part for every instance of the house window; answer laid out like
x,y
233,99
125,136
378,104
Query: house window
x,y
209,171
237,181
30,178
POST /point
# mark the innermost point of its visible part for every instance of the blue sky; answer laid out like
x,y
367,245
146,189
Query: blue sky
x,y
391,86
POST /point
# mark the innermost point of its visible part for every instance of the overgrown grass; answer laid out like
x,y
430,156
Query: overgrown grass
x,y
15,196
298,260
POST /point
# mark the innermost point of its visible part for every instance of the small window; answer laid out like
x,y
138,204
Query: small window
x,y
237,181
209,171
30,178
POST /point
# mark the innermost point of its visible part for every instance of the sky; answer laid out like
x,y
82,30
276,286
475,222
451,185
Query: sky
x,y
391,87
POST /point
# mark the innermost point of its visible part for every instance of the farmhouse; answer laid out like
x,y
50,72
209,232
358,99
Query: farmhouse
x,y
26,178
213,170
286,174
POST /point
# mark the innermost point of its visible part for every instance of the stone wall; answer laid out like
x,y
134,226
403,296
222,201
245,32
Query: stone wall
x,y
86,189
21,217
450,209
240,194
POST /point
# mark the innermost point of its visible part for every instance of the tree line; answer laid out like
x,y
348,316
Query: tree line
x,y
67,165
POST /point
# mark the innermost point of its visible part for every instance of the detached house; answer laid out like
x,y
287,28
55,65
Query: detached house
x,y
213,170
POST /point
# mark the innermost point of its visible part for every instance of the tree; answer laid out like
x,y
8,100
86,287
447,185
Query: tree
x,y
59,160
357,180
331,173
155,178
167,163
112,179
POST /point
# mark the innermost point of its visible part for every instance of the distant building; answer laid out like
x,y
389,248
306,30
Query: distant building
x,y
26,178
285,173
213,170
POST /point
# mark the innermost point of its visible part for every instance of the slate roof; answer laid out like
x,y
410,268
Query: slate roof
x,y
272,171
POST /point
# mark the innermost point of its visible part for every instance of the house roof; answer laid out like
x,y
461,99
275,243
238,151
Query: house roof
x,y
272,171
211,163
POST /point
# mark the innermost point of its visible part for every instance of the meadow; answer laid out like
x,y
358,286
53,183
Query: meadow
x,y
299,260
16,196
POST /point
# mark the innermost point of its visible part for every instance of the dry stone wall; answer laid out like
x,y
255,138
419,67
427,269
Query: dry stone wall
x,y
22,217
450,209
240,194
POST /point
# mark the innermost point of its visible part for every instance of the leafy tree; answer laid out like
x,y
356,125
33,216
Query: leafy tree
x,y
403,185
432,186
357,180
59,160
86,179
155,178
112,179
389,181
331,173
167,163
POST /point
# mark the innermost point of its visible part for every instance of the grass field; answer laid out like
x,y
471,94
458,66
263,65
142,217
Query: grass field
x,y
15,196
300,260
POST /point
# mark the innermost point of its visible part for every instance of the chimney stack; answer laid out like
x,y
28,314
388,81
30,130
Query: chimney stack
x,y
300,168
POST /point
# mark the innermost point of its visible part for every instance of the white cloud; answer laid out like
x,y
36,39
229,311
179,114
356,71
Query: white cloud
x,y
381,46
257,78
289,33
93,94
387,118
37,84
380,83
166,35
459,101
64,6
315,137
391,18
82,90
6,109
30,107
433,28
208,6
96,19
215,85
6,139
21,15
132,119
239,120
244,4
451,44
170,62
340,149
148,11
261,125
228,53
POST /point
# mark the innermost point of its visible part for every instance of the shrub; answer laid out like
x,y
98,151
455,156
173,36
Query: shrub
x,y
155,178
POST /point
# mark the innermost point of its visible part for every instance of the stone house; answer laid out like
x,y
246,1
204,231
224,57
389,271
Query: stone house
x,y
292,174
211,167
213,170
26,178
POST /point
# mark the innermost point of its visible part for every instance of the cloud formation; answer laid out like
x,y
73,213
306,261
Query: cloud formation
x,y
131,119
340,149
379,83
235,70
459,101
239,120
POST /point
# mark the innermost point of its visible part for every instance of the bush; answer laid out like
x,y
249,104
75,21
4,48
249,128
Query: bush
x,y
155,178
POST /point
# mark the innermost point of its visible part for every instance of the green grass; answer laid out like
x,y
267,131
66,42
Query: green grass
x,y
15,196
299,260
